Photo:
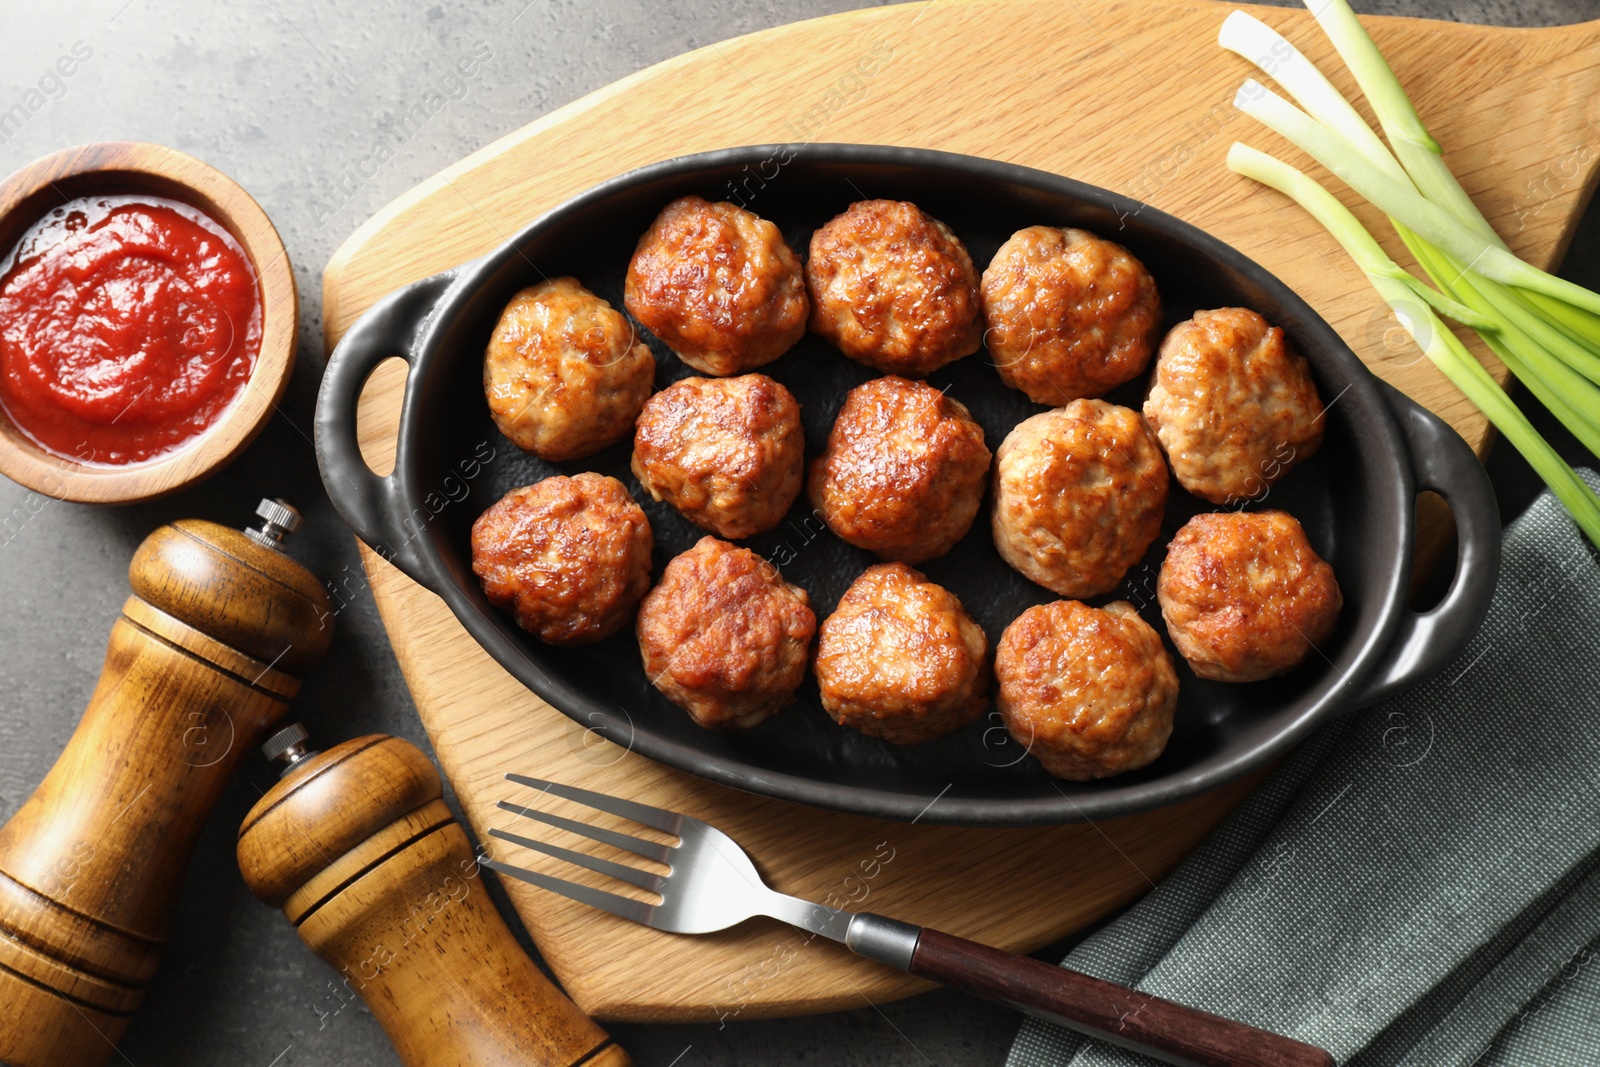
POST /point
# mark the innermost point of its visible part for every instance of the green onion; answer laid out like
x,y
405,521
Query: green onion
x,y
1419,153
1441,346
1274,55
1552,382
1580,324
1545,329
1399,200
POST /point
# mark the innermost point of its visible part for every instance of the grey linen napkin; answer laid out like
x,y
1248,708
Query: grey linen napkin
x,y
1418,884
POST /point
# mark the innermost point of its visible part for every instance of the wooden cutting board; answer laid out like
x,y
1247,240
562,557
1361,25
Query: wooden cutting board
x,y
1133,95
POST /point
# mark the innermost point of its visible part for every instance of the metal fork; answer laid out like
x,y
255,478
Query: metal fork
x,y
711,884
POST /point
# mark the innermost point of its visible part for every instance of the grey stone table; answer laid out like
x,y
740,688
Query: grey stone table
x,y
284,95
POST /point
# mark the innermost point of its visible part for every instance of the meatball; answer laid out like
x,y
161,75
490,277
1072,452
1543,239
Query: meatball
x,y
1245,596
1235,408
728,453
570,557
724,636
1079,494
1070,314
904,470
718,285
564,373
1089,691
893,288
900,658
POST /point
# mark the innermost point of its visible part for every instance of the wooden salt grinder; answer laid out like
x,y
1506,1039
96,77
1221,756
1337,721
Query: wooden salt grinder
x,y
201,663
365,859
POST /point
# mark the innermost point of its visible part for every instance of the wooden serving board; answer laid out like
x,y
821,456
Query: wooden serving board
x,y
1132,95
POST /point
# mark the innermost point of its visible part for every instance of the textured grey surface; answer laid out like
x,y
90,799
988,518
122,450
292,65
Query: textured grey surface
x,y
286,96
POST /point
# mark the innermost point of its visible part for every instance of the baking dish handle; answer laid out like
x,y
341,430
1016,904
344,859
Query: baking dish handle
x,y
368,502
1443,462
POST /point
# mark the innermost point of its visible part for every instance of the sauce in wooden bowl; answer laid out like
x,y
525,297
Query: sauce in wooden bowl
x,y
128,324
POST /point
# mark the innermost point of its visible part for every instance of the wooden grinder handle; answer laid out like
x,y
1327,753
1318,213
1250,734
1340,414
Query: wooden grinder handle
x,y
203,659
365,859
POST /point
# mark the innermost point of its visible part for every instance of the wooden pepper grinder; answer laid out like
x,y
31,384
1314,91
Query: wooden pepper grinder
x,y
359,850
201,663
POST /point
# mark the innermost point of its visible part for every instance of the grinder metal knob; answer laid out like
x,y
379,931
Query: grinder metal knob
x,y
278,518
288,745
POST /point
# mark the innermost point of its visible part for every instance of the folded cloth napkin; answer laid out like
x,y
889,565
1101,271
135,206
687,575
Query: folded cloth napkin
x,y
1418,884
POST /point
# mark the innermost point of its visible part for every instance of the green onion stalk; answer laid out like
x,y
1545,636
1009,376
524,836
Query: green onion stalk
x,y
1546,330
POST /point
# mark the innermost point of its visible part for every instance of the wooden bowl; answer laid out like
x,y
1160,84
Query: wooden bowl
x,y
123,167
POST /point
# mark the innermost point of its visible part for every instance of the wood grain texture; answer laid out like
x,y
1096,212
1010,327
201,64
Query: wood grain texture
x,y
121,167
380,881
1133,96
1172,1032
92,863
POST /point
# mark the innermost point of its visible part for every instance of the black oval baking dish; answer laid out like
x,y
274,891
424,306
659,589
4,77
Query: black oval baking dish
x,y
1356,497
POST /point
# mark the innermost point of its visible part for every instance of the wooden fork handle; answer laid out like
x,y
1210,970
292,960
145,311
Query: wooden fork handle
x,y
1122,1016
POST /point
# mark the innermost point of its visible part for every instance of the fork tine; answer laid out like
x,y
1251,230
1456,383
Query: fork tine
x,y
659,818
595,898
621,872
637,845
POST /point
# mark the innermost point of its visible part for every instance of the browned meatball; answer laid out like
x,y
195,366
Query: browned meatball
x,y
728,453
564,374
1245,596
1089,691
1070,314
893,288
718,285
1235,408
724,636
1079,493
569,556
904,470
901,659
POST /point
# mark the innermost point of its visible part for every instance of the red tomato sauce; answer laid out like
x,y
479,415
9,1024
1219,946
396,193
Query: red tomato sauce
x,y
127,326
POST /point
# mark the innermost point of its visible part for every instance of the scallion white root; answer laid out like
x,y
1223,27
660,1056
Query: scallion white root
x,y
1275,57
